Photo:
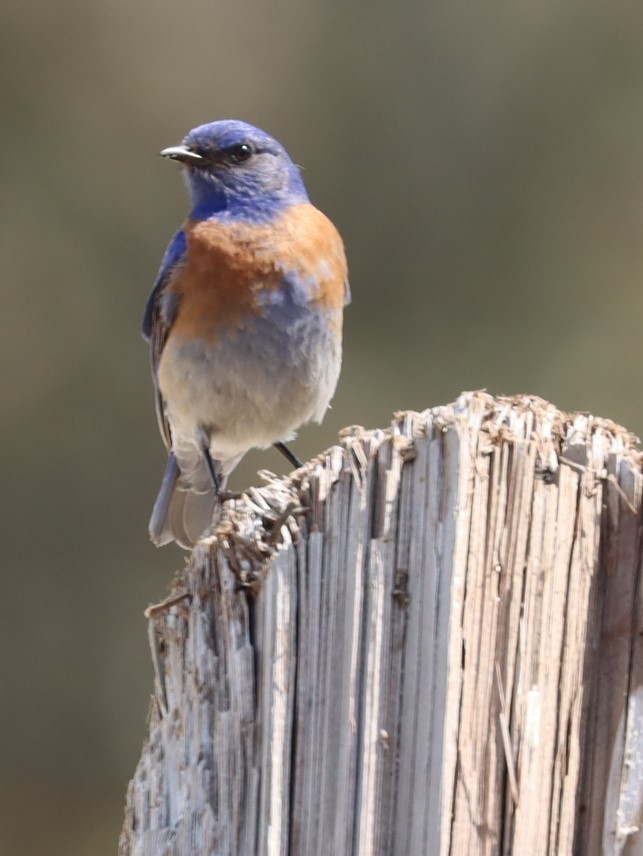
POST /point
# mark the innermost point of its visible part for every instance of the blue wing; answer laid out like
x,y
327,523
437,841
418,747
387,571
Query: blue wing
x,y
174,256
160,311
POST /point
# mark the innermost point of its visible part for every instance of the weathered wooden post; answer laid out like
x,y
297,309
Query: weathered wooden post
x,y
425,641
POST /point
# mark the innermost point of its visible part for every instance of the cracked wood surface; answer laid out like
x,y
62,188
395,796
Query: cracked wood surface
x,y
425,641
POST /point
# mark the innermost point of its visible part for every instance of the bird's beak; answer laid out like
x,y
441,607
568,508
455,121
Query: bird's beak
x,y
183,154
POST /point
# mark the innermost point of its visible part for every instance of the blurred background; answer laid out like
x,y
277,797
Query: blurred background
x,y
485,168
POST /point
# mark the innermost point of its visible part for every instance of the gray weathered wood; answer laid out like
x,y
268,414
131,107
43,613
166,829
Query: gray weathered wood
x,y
425,641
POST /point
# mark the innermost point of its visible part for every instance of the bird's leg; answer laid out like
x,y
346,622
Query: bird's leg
x,y
290,456
222,495
203,440
216,481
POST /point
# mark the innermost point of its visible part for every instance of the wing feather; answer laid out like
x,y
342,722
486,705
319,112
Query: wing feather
x,y
160,312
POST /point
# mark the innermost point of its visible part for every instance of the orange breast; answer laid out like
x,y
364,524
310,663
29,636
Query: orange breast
x,y
231,268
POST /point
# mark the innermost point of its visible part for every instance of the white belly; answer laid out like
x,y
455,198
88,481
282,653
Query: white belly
x,y
250,388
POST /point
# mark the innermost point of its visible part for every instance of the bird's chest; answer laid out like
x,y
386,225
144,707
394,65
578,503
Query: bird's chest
x,y
239,275
221,290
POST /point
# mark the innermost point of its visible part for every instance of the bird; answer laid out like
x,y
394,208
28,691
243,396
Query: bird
x,y
244,320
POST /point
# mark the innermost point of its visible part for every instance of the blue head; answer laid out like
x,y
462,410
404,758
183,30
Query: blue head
x,y
237,172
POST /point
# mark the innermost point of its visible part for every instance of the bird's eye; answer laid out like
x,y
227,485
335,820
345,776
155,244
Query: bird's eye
x,y
239,153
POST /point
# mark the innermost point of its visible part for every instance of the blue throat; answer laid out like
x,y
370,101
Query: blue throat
x,y
243,205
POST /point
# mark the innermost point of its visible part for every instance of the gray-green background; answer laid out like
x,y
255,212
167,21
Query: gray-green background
x,y
484,164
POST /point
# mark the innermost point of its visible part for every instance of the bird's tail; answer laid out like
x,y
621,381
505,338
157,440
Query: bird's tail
x,y
180,514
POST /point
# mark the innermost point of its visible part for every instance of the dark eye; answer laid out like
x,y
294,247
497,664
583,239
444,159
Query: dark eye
x,y
239,153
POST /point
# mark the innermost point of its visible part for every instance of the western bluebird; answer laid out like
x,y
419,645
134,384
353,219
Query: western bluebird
x,y
244,320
